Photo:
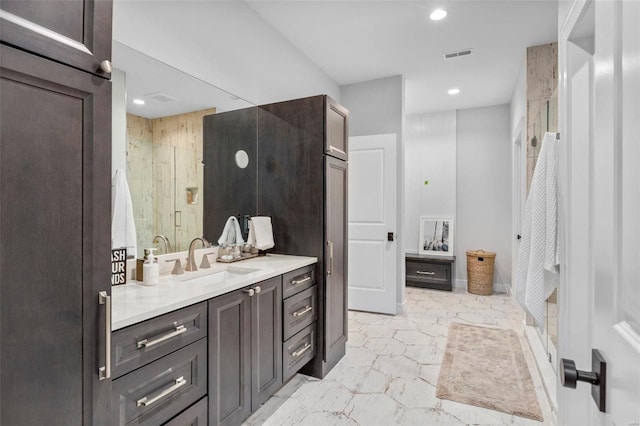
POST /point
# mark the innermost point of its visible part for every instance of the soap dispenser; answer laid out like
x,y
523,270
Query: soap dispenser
x,y
151,274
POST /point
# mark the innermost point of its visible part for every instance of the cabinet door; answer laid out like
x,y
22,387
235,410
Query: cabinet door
x,y
337,132
266,339
229,358
73,32
335,303
55,227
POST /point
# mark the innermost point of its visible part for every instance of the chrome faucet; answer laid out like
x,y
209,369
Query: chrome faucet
x,y
191,259
167,245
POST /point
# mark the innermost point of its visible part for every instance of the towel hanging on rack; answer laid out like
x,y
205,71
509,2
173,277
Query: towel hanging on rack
x,y
123,226
261,232
538,259
231,234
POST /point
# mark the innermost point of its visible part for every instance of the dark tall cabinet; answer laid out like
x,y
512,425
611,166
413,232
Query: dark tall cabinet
x,y
302,185
55,211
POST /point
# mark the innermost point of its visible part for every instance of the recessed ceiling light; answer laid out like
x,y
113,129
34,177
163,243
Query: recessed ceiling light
x,y
138,101
438,14
454,91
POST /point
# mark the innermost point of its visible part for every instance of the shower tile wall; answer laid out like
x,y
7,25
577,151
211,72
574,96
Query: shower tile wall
x,y
169,151
140,177
542,83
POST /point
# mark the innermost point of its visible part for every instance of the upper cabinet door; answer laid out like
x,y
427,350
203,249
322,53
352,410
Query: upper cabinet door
x,y
74,32
337,134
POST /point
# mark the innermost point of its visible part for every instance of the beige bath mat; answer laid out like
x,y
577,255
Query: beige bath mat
x,y
486,367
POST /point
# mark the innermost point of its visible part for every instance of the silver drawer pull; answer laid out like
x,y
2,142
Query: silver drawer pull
x,y
302,312
425,273
304,280
104,372
145,402
146,343
301,351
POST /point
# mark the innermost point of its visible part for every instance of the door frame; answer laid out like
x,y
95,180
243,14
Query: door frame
x,y
518,189
574,302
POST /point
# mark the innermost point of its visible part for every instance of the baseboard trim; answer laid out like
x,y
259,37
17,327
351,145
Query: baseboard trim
x,y
503,288
543,366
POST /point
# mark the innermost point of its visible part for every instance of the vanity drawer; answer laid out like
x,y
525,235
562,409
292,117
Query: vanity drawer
x,y
196,415
428,272
297,351
147,341
298,280
299,311
157,392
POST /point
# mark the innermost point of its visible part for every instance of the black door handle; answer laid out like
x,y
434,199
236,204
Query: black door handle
x,y
389,236
519,236
570,376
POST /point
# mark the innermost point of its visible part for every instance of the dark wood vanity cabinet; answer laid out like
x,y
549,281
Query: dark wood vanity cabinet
x,y
73,32
55,228
300,314
245,352
302,175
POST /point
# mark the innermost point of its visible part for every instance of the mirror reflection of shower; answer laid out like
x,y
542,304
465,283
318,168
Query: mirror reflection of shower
x,y
160,111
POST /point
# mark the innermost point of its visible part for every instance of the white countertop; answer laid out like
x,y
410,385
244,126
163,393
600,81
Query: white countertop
x,y
133,302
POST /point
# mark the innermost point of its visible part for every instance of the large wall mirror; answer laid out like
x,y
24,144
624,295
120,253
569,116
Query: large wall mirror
x,y
167,112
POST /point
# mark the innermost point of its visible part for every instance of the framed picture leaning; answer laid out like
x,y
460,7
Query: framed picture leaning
x,y
436,236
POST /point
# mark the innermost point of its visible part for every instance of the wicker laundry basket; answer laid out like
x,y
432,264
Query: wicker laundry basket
x,y
480,272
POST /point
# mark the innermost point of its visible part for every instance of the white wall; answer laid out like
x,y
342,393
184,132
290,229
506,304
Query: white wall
x,y
430,155
377,107
225,43
518,106
484,188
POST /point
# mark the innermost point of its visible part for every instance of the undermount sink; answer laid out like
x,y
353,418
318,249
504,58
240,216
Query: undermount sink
x,y
216,275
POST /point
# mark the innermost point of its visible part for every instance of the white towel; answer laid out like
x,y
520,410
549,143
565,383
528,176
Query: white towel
x,y
261,232
538,260
231,234
123,226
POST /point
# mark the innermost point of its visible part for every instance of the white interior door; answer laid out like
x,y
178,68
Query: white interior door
x,y
600,207
372,215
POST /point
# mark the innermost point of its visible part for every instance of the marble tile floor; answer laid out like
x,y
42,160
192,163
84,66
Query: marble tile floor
x,y
390,372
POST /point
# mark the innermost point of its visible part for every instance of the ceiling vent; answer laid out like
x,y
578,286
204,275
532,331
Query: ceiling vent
x,y
161,97
451,55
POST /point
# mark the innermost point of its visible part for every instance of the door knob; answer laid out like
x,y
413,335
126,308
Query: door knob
x,y
570,376
389,236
